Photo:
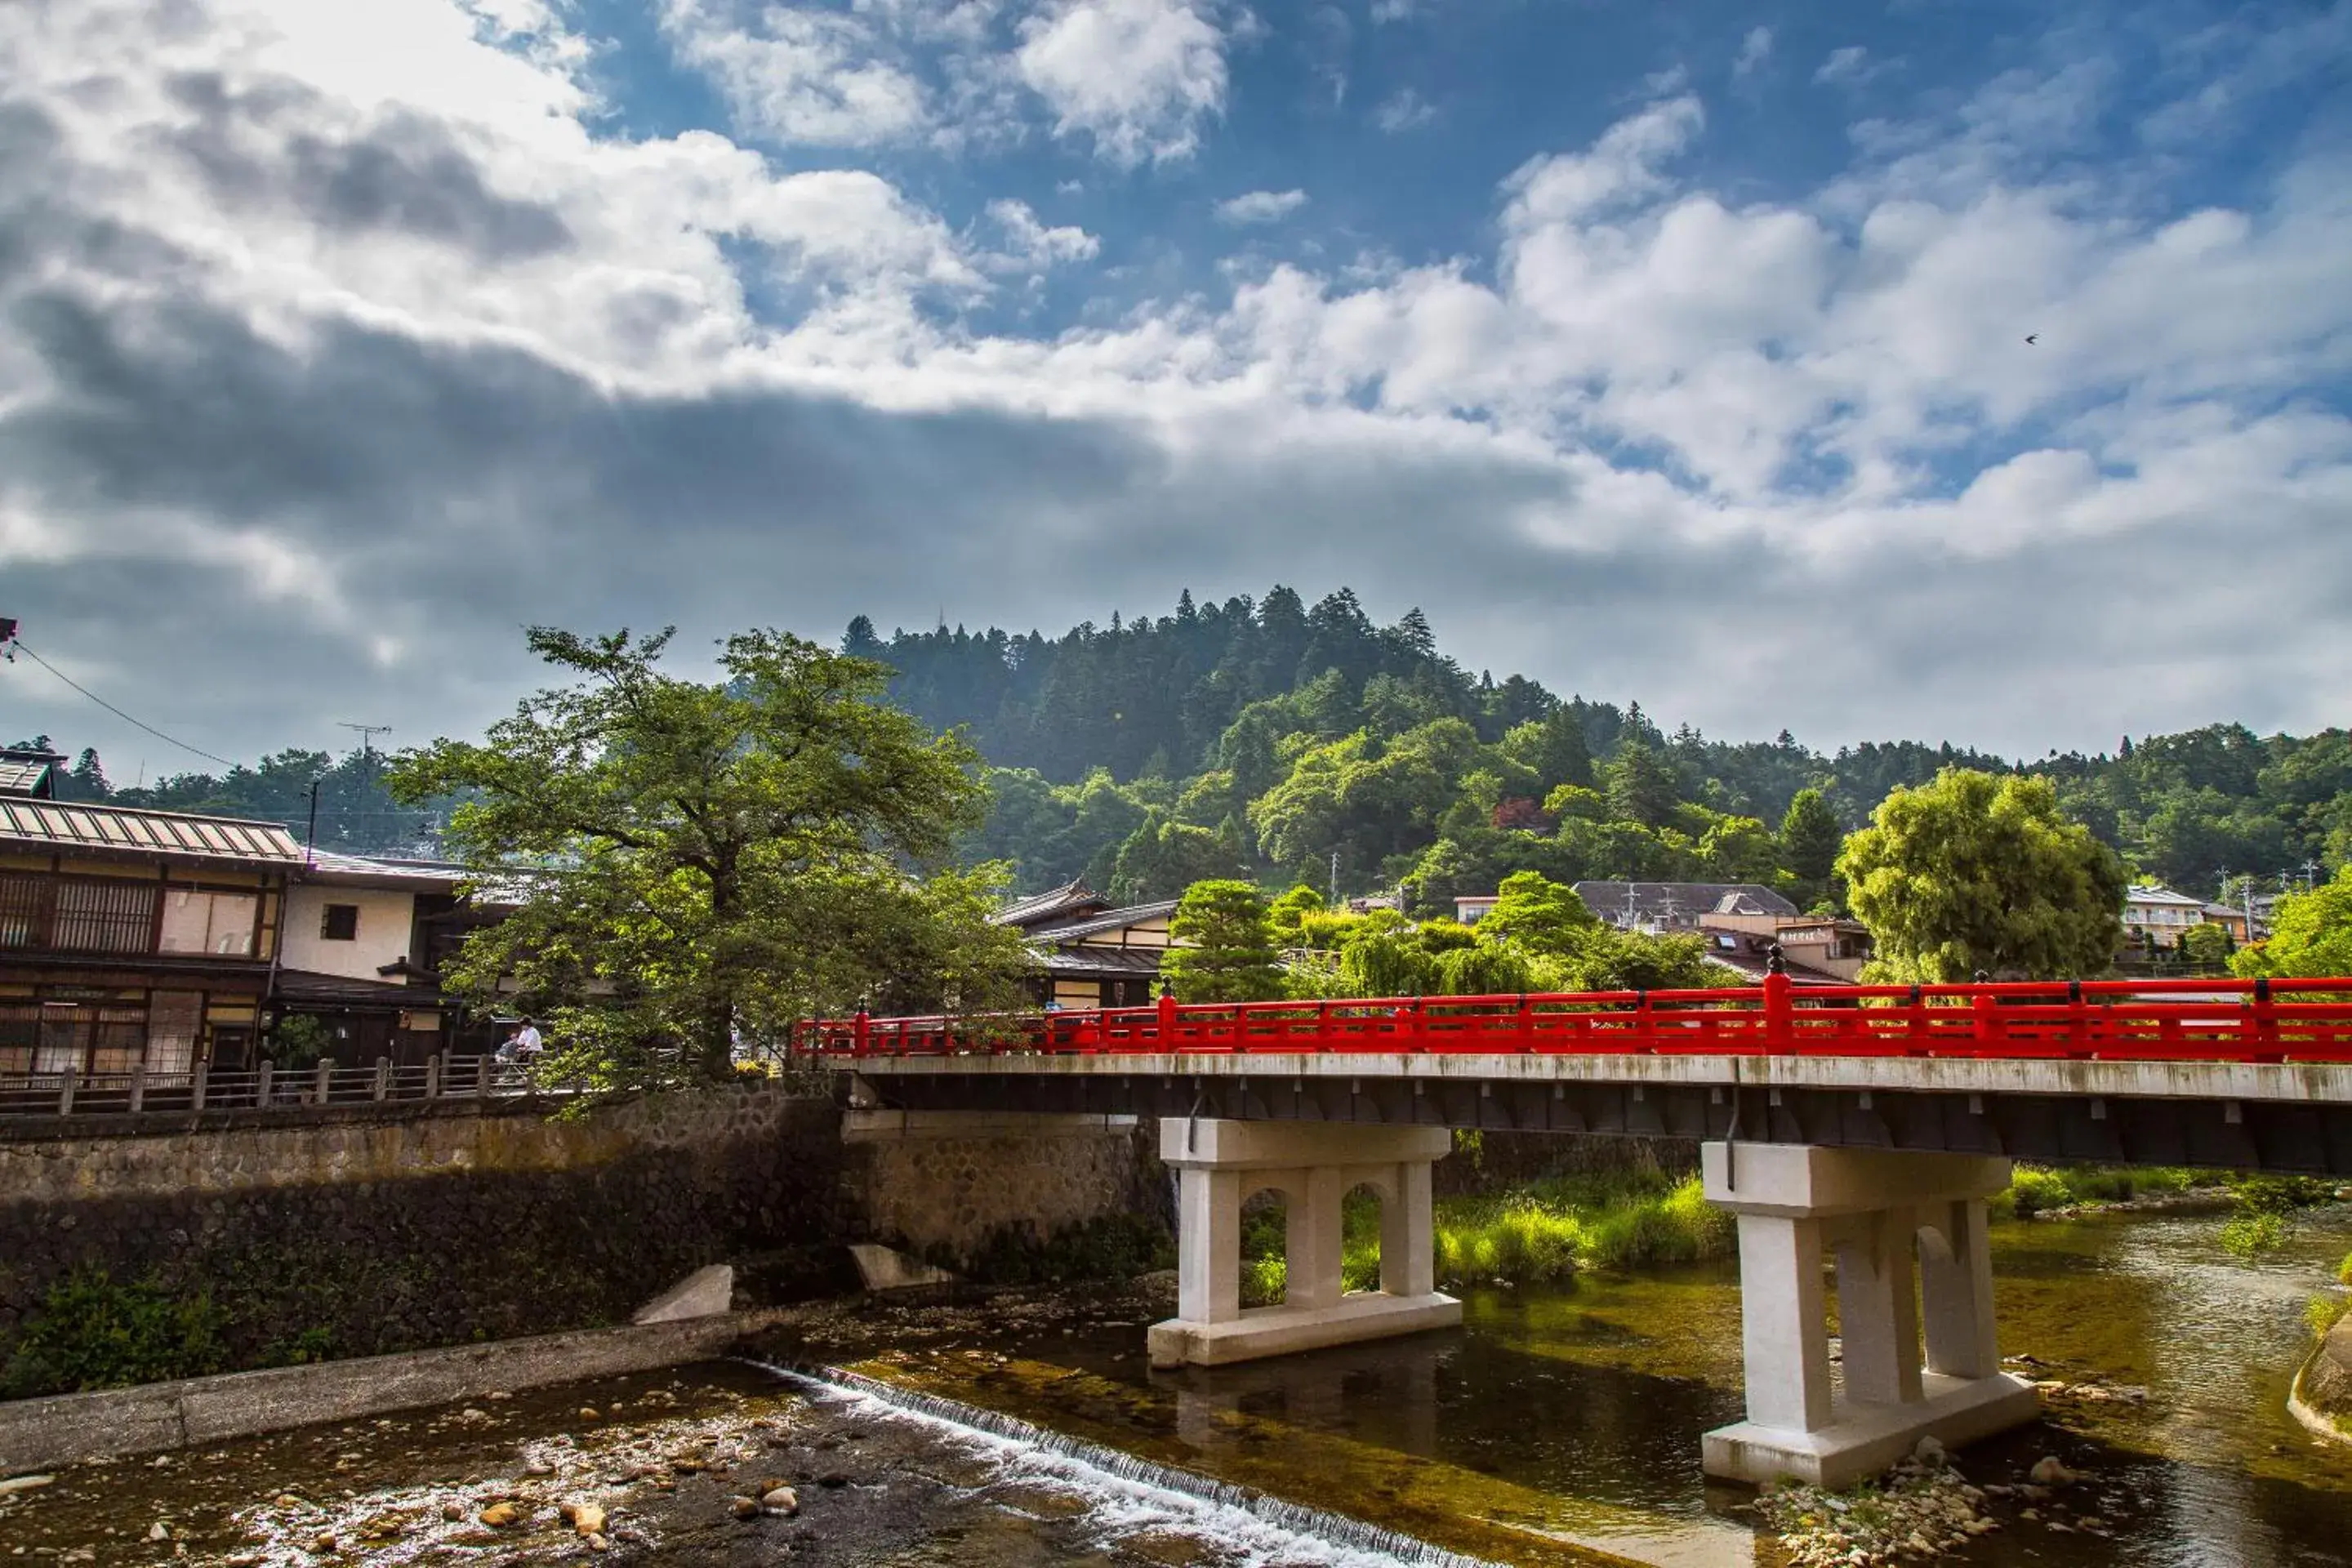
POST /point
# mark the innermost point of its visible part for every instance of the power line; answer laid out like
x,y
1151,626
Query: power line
x,y
18,645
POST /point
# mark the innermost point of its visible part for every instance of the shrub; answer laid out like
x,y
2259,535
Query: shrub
x,y
2281,1194
2324,1312
2250,1234
90,1332
2344,1269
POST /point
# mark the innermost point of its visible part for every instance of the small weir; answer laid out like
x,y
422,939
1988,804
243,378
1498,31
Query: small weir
x,y
1239,1516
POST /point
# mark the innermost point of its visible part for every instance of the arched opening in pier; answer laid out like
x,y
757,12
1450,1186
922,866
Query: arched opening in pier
x,y
1265,1242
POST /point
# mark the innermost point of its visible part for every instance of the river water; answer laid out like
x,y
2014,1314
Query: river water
x,y
1559,1427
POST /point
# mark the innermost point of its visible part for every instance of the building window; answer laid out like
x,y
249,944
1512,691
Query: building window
x,y
216,924
340,923
174,1020
105,917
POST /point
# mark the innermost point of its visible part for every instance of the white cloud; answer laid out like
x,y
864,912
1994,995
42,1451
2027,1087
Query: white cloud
x,y
1031,245
1852,67
1402,111
1755,49
1260,206
309,301
798,75
1138,77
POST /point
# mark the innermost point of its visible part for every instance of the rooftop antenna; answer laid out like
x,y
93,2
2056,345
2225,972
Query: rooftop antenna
x,y
368,733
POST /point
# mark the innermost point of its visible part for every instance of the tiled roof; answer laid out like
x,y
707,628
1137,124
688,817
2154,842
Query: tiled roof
x,y
1607,898
1110,961
1071,896
1111,920
2154,895
60,825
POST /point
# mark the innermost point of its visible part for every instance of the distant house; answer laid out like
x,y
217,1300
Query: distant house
x,y
365,939
1090,954
134,940
1662,907
2161,913
1472,908
2233,921
1815,950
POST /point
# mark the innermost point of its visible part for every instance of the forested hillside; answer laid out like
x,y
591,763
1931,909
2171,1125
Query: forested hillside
x,y
1261,737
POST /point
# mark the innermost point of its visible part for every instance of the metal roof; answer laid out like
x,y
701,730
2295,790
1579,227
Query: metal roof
x,y
328,866
21,777
62,824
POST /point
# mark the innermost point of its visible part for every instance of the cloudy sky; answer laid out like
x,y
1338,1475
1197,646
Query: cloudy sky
x,y
1669,352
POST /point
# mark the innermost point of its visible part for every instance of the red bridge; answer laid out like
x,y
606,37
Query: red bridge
x,y
1866,1125
2264,1021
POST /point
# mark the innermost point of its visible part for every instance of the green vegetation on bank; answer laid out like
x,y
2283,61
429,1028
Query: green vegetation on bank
x,y
91,1332
1543,1233
2037,1189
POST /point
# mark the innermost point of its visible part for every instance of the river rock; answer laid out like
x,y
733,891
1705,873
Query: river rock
x,y
15,1484
587,1518
782,1499
2049,1471
743,1507
1929,1451
498,1515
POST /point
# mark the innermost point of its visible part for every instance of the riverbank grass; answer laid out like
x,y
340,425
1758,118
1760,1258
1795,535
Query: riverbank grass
x,y
1544,1234
2037,1189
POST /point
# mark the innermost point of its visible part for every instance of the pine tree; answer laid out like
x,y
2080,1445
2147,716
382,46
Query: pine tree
x,y
1230,955
89,776
1810,841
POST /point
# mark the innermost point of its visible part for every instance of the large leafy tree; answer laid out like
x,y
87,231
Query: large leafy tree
x,y
2311,934
1229,953
1537,915
694,861
1973,872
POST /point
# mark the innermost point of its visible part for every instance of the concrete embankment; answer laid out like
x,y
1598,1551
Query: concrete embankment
x,y
2321,1396
71,1428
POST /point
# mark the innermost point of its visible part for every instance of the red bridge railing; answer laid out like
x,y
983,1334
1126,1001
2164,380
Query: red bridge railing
x,y
2097,1020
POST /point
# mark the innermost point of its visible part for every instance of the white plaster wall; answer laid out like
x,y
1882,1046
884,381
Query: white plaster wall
x,y
385,917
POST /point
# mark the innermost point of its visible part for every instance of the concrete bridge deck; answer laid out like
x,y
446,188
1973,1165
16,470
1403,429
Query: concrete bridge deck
x,y
2233,1074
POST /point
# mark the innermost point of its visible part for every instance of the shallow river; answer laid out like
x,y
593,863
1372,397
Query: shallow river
x,y
1560,1426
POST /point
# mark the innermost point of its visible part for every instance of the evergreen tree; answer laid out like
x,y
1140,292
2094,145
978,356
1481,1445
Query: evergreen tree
x,y
1229,955
1810,841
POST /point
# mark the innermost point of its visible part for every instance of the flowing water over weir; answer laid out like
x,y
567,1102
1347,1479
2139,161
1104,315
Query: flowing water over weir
x,y
1294,1527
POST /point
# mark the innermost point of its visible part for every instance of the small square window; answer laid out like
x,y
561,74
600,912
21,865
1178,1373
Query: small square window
x,y
342,923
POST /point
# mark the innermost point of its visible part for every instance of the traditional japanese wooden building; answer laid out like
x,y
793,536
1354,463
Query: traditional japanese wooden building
x,y
1088,953
134,938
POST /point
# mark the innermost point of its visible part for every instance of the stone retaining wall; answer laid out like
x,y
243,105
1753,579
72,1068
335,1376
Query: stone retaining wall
x,y
365,1233
356,1238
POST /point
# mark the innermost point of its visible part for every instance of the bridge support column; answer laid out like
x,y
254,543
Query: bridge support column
x,y
1874,1212
1314,1165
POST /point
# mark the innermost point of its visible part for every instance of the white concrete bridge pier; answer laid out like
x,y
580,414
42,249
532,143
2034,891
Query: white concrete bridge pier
x,y
1873,1212
1314,1165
